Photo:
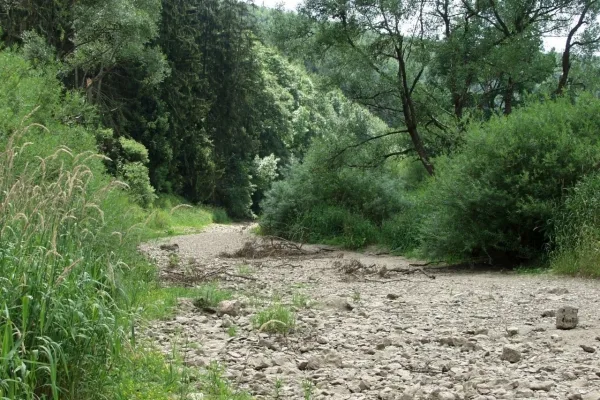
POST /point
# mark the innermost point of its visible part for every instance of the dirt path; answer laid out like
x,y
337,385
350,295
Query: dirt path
x,y
372,337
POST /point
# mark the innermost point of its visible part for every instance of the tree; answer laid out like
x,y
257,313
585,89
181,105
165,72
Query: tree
x,y
585,14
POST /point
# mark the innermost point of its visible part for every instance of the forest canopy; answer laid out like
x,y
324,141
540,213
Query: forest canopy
x,y
225,103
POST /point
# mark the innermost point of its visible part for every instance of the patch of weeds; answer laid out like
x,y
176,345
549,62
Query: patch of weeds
x,y
301,300
301,285
356,295
141,375
194,345
308,388
160,303
232,331
245,270
275,319
210,295
278,387
173,260
276,297
531,270
216,387
255,300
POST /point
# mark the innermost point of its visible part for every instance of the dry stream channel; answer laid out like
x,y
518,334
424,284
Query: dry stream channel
x,y
375,326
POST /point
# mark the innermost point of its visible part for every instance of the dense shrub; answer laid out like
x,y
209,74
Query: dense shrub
x,y
499,194
335,194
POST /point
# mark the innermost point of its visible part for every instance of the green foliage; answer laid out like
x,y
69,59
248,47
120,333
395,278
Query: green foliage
x,y
216,387
135,174
172,216
577,230
498,195
275,319
336,194
232,331
66,237
210,295
140,375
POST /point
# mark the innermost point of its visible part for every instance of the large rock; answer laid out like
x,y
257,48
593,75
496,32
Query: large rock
x,y
566,317
229,307
510,354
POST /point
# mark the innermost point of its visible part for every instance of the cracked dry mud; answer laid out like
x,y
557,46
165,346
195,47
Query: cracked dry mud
x,y
406,336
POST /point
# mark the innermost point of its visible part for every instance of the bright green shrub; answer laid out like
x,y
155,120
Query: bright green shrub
x,y
135,174
577,230
498,195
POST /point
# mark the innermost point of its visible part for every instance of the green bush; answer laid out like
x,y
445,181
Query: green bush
x,y
577,230
337,194
498,195
135,174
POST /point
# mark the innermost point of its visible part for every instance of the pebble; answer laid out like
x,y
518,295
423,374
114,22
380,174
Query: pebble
x,y
588,349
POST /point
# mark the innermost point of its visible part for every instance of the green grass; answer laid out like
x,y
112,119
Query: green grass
x,y
216,387
160,303
246,270
172,216
210,295
531,270
275,319
583,261
232,331
308,388
146,374
301,300
73,286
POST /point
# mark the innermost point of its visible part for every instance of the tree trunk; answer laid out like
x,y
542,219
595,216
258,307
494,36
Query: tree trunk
x,y
410,117
508,96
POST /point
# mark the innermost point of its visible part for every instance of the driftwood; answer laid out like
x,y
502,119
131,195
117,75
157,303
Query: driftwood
x,y
384,272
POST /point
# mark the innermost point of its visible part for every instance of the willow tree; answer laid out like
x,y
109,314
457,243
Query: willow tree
x,y
389,37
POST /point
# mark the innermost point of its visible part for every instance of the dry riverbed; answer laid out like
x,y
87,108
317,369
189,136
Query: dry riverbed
x,y
375,327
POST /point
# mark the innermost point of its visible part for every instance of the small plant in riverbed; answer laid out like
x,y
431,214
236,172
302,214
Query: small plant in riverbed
x,y
232,331
210,295
356,295
301,300
275,319
245,270
276,297
216,387
278,386
308,388
173,260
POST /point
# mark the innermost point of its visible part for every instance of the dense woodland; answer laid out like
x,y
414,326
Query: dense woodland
x,y
439,129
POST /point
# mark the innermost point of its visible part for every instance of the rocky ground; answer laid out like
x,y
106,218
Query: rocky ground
x,y
365,331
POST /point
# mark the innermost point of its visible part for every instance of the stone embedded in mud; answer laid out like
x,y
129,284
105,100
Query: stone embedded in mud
x,y
339,303
510,354
566,317
512,331
545,386
549,313
229,307
558,290
587,349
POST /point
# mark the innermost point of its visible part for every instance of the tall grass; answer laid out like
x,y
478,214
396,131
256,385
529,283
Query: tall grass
x,y
59,268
